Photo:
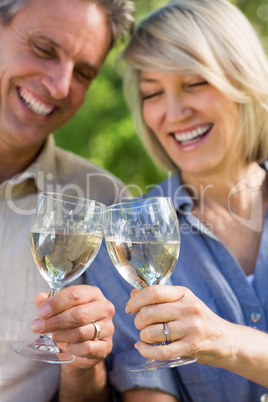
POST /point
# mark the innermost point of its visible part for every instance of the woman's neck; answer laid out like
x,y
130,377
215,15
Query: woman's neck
x,y
222,188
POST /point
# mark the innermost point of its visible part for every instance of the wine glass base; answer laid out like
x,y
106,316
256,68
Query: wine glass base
x,y
150,365
42,352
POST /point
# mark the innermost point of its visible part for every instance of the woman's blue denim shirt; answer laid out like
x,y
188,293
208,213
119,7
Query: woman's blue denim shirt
x,y
211,272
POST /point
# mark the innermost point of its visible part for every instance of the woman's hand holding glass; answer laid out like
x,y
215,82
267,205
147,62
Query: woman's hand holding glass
x,y
195,330
143,240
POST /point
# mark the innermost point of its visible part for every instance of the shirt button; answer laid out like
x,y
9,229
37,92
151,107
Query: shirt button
x,y
264,398
255,317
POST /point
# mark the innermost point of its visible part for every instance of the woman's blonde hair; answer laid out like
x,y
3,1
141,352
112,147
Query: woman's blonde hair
x,y
213,39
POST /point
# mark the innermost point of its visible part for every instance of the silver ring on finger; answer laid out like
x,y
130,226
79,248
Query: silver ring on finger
x,y
97,330
166,331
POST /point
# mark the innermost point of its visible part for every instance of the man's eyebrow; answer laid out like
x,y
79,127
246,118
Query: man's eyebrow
x,y
48,39
90,66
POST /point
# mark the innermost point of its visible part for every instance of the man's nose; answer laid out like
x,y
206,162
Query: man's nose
x,y
57,80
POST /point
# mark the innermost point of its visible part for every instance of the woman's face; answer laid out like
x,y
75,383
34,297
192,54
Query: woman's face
x,y
195,123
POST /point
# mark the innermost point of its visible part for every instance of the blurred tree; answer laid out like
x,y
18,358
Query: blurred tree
x,y
102,130
257,13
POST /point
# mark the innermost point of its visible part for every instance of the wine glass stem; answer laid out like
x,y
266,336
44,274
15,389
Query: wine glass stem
x,y
53,292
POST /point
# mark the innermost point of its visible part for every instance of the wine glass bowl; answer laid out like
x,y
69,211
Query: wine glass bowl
x,y
143,241
66,234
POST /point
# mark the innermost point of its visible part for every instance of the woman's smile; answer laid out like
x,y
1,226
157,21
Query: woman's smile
x,y
189,137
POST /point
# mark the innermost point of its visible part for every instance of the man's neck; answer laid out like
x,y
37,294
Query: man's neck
x,y
12,164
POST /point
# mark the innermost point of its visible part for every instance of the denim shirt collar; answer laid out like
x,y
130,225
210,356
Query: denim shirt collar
x,y
173,187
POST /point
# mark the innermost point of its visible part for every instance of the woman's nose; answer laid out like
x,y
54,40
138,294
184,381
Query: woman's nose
x,y
178,108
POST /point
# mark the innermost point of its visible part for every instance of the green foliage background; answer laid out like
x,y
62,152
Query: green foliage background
x,y
102,130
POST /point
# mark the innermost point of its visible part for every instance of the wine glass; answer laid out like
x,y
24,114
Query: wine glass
x,y
66,234
143,241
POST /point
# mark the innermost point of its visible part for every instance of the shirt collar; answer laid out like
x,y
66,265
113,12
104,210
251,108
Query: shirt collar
x,y
37,177
174,188
43,168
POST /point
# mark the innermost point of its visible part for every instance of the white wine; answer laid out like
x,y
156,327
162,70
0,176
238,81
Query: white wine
x,y
60,257
144,264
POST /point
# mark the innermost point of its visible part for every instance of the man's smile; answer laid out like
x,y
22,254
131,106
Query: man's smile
x,y
36,105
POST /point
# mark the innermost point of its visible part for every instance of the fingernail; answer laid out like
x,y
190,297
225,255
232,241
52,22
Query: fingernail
x,y
44,311
137,346
37,325
127,310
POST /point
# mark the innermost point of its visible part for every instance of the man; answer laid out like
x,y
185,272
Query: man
x,y
51,51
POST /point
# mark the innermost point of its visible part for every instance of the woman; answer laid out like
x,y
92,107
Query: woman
x,y
197,84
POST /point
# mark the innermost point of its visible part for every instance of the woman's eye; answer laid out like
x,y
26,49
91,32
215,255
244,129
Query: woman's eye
x,y
196,84
151,95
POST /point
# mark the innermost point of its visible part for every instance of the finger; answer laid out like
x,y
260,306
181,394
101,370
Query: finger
x,y
40,298
85,333
87,353
157,313
75,317
154,295
155,333
68,298
164,352
133,292
96,350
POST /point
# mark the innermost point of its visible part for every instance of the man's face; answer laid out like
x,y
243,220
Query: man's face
x,y
50,53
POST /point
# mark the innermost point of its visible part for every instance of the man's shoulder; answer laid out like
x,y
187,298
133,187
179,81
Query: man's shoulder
x,y
66,159
94,181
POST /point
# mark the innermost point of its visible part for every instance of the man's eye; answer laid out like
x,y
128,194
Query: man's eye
x,y
42,50
84,75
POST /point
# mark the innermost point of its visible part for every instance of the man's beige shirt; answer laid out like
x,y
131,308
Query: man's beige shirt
x,y
21,379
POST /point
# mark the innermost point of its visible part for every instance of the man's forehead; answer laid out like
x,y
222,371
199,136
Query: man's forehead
x,y
79,28
63,7
76,16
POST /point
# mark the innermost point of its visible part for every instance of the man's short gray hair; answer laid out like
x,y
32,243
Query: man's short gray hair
x,y
119,14
8,8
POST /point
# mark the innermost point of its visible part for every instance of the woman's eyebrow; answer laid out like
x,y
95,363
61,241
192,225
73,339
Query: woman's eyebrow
x,y
147,80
